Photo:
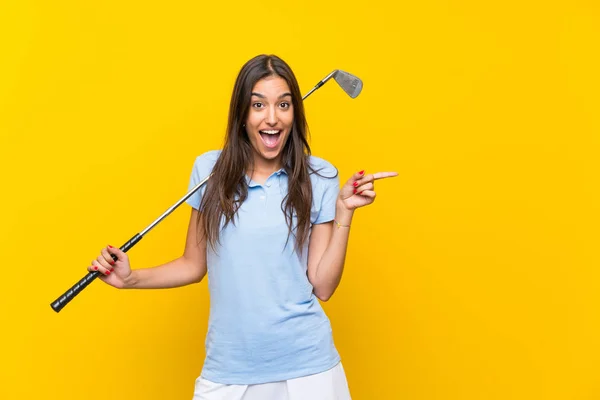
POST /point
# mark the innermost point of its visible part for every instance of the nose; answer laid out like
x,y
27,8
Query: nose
x,y
271,117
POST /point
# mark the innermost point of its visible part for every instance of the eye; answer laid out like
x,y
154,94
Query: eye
x,y
257,105
285,104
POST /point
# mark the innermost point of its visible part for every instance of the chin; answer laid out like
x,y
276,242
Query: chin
x,y
270,155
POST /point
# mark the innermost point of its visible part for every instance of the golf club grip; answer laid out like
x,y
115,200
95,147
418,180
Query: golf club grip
x,y
130,243
63,300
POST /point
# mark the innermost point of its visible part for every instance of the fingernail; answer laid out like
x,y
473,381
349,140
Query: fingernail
x,y
110,246
112,269
95,268
361,172
112,263
107,272
354,190
355,184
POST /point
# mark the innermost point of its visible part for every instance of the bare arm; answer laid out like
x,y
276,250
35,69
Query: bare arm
x,y
184,270
328,242
187,269
327,254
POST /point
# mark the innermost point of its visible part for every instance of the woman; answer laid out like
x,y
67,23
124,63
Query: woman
x,y
271,228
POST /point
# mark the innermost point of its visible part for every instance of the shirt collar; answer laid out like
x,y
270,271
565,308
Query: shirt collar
x,y
279,172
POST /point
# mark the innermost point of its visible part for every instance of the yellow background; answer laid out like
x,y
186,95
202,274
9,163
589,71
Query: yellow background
x,y
475,275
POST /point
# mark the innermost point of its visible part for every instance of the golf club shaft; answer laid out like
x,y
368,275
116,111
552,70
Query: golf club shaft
x,y
318,85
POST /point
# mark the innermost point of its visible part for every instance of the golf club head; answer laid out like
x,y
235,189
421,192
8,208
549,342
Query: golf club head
x,y
350,83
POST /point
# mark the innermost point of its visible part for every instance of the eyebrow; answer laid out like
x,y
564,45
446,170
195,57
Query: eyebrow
x,y
264,97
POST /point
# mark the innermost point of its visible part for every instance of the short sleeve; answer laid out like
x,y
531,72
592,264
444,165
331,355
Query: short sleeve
x,y
327,190
203,166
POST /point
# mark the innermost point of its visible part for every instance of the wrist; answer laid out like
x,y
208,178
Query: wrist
x,y
130,281
343,216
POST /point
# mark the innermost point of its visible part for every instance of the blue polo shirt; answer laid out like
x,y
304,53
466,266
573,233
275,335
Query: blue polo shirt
x,y
265,323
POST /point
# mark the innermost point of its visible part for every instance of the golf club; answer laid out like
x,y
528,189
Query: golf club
x,y
351,85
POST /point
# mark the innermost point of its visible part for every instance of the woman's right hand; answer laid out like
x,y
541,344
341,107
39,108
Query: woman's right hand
x,y
112,272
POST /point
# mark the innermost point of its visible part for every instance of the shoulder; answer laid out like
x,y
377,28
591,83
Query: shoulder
x,y
320,168
203,166
206,161
209,156
325,182
324,176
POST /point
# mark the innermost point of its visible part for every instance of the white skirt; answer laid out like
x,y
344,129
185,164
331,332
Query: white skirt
x,y
328,385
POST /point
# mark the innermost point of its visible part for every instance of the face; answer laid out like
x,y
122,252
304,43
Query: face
x,y
270,118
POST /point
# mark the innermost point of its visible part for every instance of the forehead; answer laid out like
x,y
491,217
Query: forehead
x,y
271,85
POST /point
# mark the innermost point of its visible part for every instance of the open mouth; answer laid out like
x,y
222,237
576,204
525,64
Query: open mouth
x,y
270,137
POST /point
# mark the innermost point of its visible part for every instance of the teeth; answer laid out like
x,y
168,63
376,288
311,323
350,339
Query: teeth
x,y
270,132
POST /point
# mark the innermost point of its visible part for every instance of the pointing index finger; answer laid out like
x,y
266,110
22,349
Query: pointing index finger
x,y
382,175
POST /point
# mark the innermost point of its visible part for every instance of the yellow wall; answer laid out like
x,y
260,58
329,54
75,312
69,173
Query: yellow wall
x,y
475,275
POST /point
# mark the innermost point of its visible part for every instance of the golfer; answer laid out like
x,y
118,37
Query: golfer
x,y
271,229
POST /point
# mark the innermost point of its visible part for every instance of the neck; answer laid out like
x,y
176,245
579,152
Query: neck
x,y
263,169
263,166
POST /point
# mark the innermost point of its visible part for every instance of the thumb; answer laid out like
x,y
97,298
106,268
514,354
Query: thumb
x,y
116,252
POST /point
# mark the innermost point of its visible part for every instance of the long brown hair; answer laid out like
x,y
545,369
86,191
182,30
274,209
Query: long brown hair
x,y
227,189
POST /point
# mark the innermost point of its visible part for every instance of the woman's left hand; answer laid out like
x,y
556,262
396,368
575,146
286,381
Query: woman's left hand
x,y
359,190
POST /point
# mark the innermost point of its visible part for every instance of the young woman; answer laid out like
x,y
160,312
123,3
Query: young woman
x,y
271,228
